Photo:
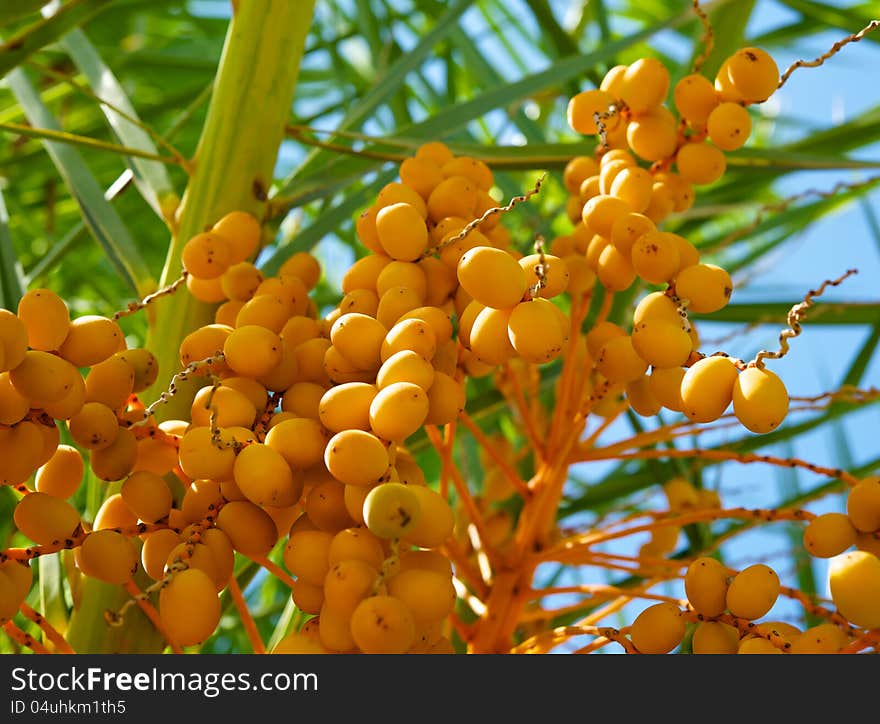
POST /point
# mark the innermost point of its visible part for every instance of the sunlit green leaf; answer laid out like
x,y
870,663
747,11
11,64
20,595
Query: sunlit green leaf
x,y
101,218
150,177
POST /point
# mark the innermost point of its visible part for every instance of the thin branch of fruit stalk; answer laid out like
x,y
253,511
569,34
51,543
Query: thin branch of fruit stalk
x,y
83,141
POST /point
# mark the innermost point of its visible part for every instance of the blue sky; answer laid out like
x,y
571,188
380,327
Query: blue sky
x,y
820,356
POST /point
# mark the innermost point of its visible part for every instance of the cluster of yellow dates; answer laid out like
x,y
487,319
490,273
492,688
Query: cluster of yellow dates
x,y
298,434
617,204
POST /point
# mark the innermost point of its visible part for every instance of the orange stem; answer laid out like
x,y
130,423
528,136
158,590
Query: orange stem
x,y
594,645
24,638
463,567
590,441
448,442
151,613
605,611
605,309
463,630
462,490
524,412
594,589
48,629
706,514
31,552
723,455
666,433
275,570
568,375
817,609
503,465
250,626
870,639
547,640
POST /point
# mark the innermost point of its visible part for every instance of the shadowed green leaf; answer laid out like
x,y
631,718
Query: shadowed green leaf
x,y
855,133
15,50
58,252
780,159
11,282
775,312
14,9
871,221
848,19
562,41
52,591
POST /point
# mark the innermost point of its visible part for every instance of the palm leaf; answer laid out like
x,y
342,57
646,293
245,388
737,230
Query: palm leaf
x,y
102,219
11,282
392,79
12,11
150,176
28,41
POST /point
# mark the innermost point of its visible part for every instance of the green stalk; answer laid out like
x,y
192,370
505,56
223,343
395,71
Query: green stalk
x,y
89,633
235,158
232,170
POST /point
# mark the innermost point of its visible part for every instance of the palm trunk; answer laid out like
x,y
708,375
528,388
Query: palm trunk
x,y
235,159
